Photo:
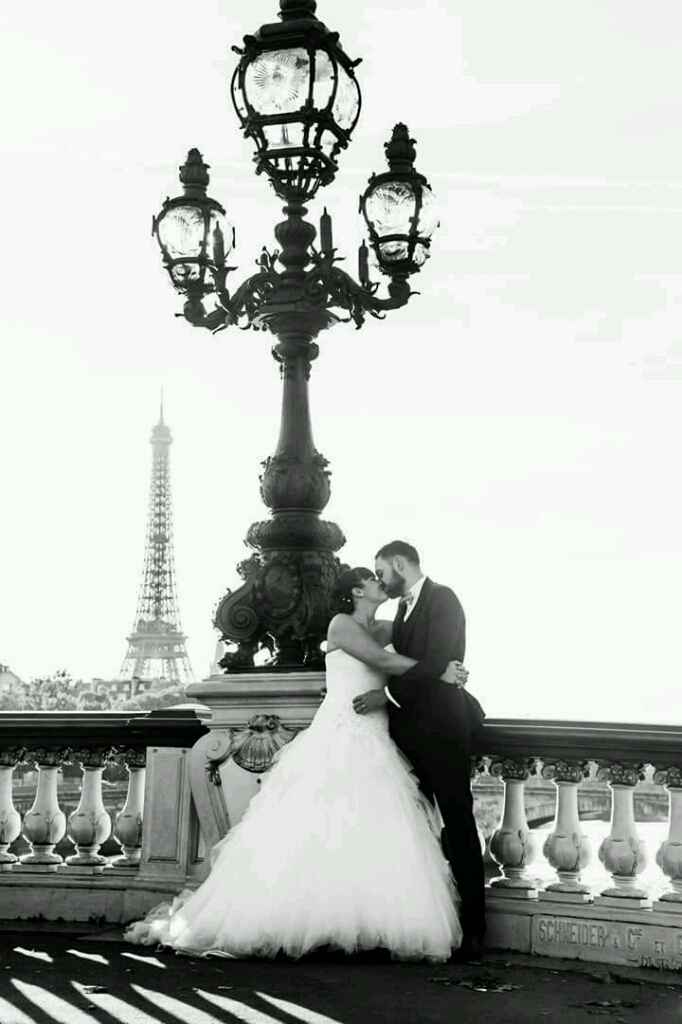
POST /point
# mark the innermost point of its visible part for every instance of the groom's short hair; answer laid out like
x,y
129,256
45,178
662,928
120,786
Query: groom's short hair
x,y
399,549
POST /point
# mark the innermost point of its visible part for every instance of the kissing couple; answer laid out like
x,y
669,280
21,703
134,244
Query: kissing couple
x,y
362,836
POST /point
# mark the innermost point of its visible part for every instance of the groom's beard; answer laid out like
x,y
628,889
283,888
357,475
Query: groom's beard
x,y
396,588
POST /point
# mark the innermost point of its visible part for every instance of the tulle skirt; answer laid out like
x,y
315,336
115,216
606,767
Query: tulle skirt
x,y
338,849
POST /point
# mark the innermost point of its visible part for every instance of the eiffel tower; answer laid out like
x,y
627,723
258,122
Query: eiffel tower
x,y
156,645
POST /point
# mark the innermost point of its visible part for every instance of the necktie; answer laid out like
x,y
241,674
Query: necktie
x,y
407,602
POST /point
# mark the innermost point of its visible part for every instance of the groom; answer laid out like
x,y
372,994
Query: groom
x,y
434,723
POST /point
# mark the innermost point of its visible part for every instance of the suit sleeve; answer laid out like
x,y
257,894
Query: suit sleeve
x,y
445,642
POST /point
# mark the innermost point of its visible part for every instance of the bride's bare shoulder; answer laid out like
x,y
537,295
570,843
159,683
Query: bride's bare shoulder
x,y
340,627
340,624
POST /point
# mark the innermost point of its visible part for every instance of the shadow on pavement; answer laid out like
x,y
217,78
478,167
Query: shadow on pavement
x,y
48,978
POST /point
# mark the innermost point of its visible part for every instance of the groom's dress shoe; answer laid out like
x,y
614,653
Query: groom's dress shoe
x,y
471,951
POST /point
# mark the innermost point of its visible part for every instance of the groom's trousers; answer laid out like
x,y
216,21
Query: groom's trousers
x,y
444,773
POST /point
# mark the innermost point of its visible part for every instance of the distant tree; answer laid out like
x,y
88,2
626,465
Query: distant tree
x,y
88,700
14,699
54,693
44,693
153,699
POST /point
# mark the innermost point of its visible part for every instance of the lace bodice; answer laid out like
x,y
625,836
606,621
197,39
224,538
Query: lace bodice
x,y
349,676
346,678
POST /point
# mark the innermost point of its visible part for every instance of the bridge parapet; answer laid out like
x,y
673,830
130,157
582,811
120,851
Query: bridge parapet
x,y
191,773
612,756
586,762
86,866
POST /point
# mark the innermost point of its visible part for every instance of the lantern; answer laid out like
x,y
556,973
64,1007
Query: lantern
x,y
192,231
297,97
399,209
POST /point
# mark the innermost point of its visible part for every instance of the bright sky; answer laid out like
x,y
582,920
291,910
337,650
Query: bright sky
x,y
520,421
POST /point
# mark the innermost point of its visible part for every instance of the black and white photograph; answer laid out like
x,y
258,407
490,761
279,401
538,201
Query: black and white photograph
x,y
340,545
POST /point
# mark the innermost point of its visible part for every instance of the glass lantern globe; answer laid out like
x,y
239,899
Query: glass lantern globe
x,y
400,210
297,97
192,231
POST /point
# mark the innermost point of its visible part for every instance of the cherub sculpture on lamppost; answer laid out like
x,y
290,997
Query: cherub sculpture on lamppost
x,y
297,98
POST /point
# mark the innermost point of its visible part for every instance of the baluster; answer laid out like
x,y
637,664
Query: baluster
x,y
623,853
513,847
10,819
45,823
89,824
669,855
478,767
567,848
128,827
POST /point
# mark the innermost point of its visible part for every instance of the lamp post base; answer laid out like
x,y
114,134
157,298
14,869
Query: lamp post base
x,y
283,606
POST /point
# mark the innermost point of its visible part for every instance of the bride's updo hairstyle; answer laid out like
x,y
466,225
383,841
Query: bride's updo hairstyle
x,y
342,594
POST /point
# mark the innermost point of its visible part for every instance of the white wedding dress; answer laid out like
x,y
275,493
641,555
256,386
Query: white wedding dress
x,y
337,849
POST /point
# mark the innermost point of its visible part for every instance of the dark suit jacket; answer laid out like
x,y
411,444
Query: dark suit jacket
x,y
434,634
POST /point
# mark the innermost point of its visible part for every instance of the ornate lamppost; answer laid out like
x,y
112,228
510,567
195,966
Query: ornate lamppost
x,y
297,97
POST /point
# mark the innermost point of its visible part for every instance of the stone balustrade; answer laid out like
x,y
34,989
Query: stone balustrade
x,y
192,772
155,832
620,923
258,711
563,752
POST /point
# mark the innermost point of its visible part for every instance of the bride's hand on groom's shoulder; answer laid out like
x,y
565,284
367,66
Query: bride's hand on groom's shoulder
x,y
455,674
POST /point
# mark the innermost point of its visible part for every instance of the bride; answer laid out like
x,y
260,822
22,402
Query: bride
x,y
339,849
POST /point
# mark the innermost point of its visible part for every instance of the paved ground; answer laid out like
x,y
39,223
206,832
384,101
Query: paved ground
x,y
94,978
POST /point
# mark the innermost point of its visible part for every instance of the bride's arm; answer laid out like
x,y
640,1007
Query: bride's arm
x,y
346,633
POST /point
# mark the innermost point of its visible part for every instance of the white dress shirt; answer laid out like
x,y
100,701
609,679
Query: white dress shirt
x,y
415,590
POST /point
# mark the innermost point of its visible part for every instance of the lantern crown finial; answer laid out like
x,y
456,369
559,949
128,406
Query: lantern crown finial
x,y
400,150
290,9
194,174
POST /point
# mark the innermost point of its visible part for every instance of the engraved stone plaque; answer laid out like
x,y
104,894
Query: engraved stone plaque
x,y
613,942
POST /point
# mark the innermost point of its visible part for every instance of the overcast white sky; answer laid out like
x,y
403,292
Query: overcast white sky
x,y
520,421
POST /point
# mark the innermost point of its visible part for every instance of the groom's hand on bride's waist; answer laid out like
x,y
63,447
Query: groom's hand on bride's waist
x,y
372,700
455,674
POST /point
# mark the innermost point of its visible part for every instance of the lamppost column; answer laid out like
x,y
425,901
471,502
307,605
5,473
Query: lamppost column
x,y
296,476
295,352
284,602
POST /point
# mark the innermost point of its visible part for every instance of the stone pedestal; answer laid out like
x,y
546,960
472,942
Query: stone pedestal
x,y
235,698
253,715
